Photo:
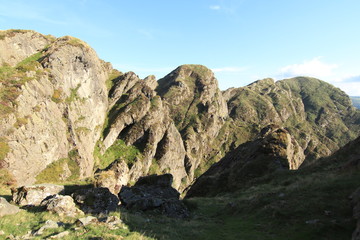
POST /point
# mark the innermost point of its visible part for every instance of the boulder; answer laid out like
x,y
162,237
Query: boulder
x,y
112,222
113,177
96,200
154,193
6,208
82,222
62,205
49,224
33,195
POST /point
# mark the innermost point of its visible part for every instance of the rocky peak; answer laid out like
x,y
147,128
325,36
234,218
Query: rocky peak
x,y
197,107
60,83
16,45
139,117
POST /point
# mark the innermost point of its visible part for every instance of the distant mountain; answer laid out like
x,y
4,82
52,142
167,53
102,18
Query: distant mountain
x,y
356,101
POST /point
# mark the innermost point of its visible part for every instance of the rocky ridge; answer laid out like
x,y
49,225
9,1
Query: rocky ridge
x,y
66,114
274,150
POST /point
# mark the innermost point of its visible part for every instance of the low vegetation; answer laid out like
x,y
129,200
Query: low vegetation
x,y
60,171
31,221
118,150
12,78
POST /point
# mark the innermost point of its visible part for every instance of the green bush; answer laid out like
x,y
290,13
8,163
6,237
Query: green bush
x,y
118,150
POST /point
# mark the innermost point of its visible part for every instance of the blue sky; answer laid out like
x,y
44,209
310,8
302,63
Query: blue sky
x,y
240,40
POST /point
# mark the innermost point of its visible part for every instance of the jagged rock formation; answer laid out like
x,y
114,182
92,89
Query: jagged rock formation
x,y
318,115
50,113
65,114
274,150
139,117
197,107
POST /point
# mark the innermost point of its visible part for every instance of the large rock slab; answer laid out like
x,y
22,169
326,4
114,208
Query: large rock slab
x,y
6,208
62,205
33,195
96,200
113,177
154,193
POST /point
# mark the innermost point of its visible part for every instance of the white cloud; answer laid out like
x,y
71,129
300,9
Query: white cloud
x,y
351,79
351,88
311,68
229,69
215,7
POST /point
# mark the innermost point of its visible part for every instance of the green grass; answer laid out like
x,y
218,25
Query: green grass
x,y
73,94
4,148
33,220
112,77
118,150
277,208
54,172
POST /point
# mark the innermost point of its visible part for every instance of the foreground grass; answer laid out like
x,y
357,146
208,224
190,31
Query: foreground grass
x,y
291,205
311,203
31,220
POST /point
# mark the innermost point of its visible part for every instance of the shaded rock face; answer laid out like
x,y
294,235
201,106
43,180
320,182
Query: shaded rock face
x,y
154,193
35,194
274,150
54,111
6,208
95,200
197,108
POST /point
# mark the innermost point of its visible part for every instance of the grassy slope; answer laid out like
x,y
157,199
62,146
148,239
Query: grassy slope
x,y
276,207
33,220
283,205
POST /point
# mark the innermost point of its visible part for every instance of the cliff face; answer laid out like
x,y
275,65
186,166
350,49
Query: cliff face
x,y
58,88
65,113
140,118
198,109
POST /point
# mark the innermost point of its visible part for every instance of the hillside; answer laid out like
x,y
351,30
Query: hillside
x,y
265,161
67,112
